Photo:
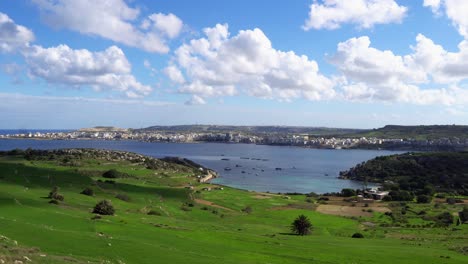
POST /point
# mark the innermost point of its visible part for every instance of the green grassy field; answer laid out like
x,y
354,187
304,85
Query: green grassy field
x,y
191,226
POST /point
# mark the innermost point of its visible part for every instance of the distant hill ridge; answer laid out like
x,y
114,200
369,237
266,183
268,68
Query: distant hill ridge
x,y
417,132
252,129
103,129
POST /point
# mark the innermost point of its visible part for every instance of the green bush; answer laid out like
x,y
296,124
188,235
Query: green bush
x,y
123,197
444,219
111,174
348,192
301,225
87,191
54,202
248,209
423,198
154,212
104,207
357,235
53,194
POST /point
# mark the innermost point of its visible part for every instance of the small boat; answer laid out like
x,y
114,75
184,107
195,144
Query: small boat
x,y
227,169
243,171
224,159
238,166
244,158
278,169
326,174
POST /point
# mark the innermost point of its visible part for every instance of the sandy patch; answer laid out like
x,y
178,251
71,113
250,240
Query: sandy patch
x,y
348,210
261,196
205,202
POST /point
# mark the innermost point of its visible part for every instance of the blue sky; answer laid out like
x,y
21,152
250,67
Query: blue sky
x,y
336,63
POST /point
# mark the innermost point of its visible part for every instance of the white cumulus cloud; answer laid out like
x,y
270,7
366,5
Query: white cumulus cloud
x,y
13,36
112,19
108,69
220,65
331,14
373,74
455,10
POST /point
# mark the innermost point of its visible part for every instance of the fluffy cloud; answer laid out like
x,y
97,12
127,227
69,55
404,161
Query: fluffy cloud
x,y
13,36
108,69
174,74
456,10
112,19
169,24
443,66
196,100
373,74
363,13
220,65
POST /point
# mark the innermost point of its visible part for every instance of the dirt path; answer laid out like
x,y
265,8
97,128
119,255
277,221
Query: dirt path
x,y
205,202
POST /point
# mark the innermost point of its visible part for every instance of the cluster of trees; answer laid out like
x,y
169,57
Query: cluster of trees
x,y
416,173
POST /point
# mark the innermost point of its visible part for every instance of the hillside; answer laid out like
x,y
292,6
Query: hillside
x,y
251,129
163,215
416,132
442,171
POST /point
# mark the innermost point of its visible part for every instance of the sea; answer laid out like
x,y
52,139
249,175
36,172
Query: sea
x,y
245,166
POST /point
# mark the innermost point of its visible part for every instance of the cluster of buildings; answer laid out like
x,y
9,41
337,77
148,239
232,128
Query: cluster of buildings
x,y
259,138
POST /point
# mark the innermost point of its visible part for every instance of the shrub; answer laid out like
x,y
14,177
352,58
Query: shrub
x,y
104,207
54,202
301,225
123,197
464,215
53,194
423,198
387,198
153,212
248,209
87,191
401,196
312,194
357,235
444,219
348,192
112,174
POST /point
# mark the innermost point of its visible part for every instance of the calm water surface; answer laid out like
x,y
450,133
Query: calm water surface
x,y
253,167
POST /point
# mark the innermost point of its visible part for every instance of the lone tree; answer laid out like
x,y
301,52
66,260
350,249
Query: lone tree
x,y
104,207
301,225
88,191
54,194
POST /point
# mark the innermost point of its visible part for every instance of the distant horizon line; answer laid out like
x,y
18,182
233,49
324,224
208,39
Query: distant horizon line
x,y
175,125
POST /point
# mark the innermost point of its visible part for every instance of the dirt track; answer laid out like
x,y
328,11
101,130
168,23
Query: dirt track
x,y
205,202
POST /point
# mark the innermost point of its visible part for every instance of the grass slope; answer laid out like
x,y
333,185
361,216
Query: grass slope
x,y
183,231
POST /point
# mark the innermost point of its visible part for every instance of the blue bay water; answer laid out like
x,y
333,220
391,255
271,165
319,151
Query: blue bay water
x,y
302,170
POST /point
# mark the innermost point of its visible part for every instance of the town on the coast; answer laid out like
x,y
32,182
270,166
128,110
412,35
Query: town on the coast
x,y
284,138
